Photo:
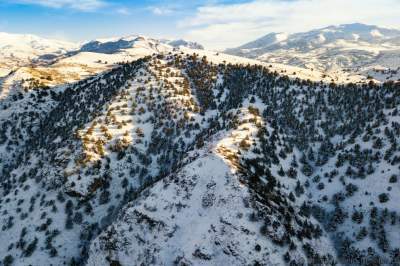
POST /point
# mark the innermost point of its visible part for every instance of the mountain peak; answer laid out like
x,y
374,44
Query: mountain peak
x,y
181,42
354,26
116,44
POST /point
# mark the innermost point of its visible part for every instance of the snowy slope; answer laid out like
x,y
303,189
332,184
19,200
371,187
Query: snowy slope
x,y
198,216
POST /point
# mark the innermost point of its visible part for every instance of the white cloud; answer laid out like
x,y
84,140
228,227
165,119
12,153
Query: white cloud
x,y
160,11
222,26
82,5
123,11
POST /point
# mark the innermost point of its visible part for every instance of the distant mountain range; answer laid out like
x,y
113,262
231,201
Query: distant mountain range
x,y
18,50
355,50
355,46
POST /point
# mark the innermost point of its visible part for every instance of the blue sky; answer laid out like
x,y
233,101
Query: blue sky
x,y
215,23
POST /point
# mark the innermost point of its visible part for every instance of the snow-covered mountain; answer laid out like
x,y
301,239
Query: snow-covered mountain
x,y
115,45
200,159
132,151
362,49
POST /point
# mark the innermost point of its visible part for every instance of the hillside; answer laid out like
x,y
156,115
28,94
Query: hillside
x,y
182,159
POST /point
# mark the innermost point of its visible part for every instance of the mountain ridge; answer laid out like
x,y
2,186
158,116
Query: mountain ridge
x,y
344,31
98,172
